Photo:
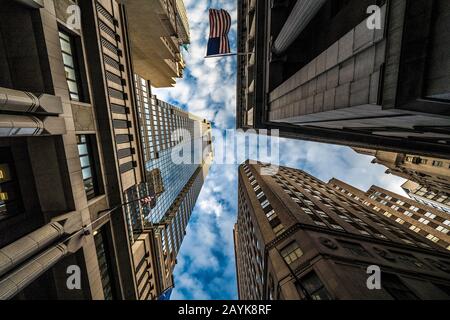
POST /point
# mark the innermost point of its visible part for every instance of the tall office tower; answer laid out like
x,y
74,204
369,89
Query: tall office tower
x,y
158,30
72,168
429,177
299,238
426,221
325,71
166,132
422,194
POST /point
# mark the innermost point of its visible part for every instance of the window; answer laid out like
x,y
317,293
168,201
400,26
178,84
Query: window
x,y
104,261
442,229
292,252
271,215
314,287
88,168
279,229
430,215
265,204
437,163
432,238
407,213
10,198
71,66
337,227
396,288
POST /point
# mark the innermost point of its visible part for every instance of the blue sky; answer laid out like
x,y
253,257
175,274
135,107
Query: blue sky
x,y
206,267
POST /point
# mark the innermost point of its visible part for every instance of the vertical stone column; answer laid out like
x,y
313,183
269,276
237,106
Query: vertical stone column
x,y
302,13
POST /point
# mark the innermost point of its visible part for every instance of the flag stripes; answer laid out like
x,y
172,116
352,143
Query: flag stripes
x,y
220,24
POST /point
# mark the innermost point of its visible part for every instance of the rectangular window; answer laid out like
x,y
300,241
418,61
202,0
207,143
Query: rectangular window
x,y
10,198
314,287
430,215
123,138
432,238
291,252
104,262
437,163
279,229
86,151
71,66
265,204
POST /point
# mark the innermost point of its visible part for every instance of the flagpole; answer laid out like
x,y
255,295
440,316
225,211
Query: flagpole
x,y
229,55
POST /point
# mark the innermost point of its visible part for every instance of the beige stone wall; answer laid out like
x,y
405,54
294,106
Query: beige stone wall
x,y
70,156
346,74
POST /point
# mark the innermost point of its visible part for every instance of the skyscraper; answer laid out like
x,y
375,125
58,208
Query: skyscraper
x,y
69,154
328,71
77,192
299,238
166,132
426,221
429,178
421,194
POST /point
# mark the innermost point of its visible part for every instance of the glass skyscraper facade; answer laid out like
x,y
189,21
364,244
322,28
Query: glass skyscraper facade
x,y
177,151
174,177
167,130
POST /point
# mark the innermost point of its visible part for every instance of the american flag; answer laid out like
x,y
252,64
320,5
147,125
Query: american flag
x,y
147,200
220,24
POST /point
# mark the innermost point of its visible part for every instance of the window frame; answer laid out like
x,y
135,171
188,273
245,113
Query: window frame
x,y
294,253
92,154
314,293
78,68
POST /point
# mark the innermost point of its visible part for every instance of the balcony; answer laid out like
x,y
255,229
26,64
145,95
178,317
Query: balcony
x,y
183,23
154,39
168,17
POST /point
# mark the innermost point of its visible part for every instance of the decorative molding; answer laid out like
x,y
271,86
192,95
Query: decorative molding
x,y
27,102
